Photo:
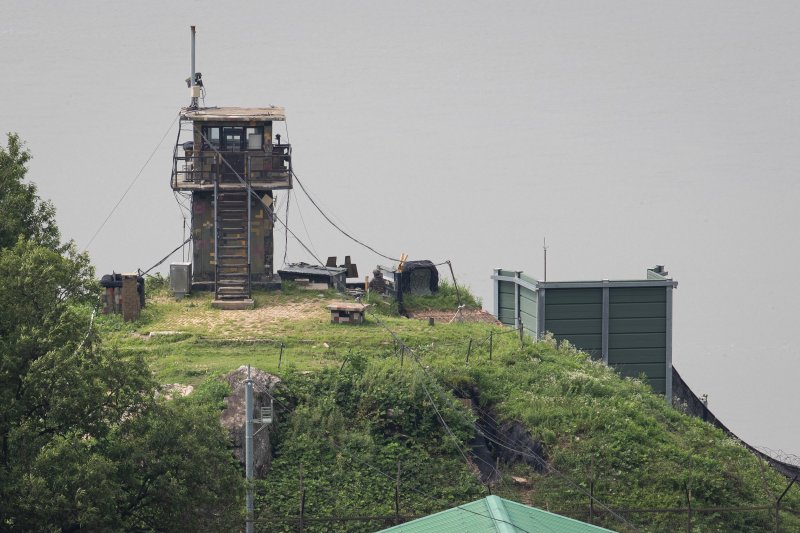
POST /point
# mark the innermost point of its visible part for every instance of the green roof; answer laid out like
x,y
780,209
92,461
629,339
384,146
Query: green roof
x,y
495,515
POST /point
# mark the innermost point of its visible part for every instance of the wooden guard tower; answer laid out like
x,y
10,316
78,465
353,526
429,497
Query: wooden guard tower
x,y
229,162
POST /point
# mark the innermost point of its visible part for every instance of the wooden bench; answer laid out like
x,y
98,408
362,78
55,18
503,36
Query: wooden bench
x,y
347,313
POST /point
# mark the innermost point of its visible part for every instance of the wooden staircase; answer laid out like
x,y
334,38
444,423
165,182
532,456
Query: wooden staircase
x,y
232,287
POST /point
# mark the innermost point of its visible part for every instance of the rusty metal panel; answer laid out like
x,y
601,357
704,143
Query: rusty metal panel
x,y
203,236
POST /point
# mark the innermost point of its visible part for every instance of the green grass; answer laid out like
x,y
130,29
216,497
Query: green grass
x,y
187,340
446,298
591,423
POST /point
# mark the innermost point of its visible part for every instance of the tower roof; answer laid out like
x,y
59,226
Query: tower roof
x,y
234,114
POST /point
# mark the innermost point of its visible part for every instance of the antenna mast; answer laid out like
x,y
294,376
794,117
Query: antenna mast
x,y
194,88
544,247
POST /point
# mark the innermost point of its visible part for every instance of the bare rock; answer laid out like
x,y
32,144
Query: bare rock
x,y
233,416
175,390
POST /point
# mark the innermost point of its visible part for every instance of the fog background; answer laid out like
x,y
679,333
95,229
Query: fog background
x,y
626,133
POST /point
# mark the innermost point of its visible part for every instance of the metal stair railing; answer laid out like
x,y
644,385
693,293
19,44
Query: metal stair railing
x,y
216,240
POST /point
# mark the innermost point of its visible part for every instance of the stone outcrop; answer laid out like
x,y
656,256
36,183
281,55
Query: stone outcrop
x,y
233,416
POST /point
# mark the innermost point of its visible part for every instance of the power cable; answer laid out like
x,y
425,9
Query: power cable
x,y
138,174
91,324
539,459
181,209
345,233
532,454
441,394
166,257
267,207
367,246
389,476
305,228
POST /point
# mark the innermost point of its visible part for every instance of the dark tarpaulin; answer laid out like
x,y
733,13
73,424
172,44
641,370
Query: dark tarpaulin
x,y
419,277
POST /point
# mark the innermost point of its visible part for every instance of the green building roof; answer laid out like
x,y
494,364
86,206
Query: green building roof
x,y
495,515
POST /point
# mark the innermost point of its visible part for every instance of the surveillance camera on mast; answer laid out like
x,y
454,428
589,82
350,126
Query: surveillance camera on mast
x,y
228,162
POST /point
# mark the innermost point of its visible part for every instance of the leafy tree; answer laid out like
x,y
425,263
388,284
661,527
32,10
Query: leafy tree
x,y
177,460
84,441
22,212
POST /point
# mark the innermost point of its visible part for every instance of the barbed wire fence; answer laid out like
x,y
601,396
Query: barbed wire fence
x,y
678,518
683,518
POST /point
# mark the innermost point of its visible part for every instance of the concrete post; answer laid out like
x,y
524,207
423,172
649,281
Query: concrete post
x,y
248,449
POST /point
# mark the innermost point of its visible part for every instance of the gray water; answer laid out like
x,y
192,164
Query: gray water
x,y
626,133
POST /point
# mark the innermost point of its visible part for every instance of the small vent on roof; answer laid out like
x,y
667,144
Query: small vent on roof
x,y
657,272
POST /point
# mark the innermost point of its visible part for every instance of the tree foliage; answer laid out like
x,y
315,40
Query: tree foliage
x,y
22,212
85,443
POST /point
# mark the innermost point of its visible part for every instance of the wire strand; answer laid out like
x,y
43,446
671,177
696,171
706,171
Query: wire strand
x,y
388,476
166,257
532,454
303,222
285,226
367,246
135,179
255,195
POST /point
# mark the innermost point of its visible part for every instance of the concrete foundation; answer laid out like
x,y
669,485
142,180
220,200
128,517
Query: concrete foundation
x,y
233,304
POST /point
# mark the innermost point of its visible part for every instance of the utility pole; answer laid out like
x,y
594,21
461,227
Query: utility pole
x,y
248,448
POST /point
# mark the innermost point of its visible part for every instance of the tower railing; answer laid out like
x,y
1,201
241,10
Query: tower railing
x,y
270,168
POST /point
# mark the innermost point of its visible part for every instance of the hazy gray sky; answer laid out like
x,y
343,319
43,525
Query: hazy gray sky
x,y
626,133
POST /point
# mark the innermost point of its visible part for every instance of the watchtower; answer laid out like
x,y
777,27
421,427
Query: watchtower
x,y
230,163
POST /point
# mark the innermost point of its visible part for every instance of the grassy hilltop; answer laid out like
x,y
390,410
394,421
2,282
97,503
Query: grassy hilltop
x,y
354,405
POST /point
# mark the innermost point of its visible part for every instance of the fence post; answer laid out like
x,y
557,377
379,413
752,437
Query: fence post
x,y
521,335
397,496
402,353
491,333
469,349
689,509
280,357
778,504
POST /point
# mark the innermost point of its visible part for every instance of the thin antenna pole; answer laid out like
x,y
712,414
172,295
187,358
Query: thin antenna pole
x,y
544,247
191,79
192,84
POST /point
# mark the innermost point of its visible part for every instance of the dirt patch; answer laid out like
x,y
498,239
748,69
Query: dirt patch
x,y
468,315
247,322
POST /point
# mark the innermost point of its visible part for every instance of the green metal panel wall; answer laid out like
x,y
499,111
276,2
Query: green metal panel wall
x,y
506,305
637,333
637,343
576,315
529,309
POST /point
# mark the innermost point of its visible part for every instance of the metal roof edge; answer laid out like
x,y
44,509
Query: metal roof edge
x,y
500,519
608,283
578,523
536,285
